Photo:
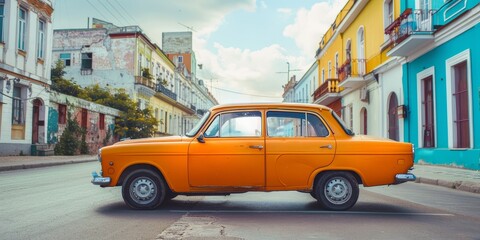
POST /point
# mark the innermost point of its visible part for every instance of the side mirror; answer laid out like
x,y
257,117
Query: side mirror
x,y
201,138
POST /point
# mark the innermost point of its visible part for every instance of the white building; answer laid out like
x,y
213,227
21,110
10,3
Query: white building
x,y
25,53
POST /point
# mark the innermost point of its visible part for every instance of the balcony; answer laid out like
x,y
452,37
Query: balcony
x,y
145,82
166,92
351,74
327,93
410,32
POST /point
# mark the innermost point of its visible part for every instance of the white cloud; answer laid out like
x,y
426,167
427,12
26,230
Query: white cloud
x,y
287,11
311,24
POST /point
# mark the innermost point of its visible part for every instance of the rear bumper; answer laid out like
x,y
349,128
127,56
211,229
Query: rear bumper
x,y
404,177
98,179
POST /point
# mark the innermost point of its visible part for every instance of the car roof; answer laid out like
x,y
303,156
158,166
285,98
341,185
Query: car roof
x,y
280,105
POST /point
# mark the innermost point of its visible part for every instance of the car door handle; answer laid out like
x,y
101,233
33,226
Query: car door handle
x,y
329,146
256,146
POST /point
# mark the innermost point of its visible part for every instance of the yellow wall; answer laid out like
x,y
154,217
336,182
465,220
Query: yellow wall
x,y
371,18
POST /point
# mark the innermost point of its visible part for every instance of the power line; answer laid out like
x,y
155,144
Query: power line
x,y
247,94
116,10
96,9
135,22
108,10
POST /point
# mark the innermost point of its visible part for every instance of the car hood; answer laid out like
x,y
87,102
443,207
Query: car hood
x,y
153,140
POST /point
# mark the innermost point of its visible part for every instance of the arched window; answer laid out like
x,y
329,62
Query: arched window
x,y
393,117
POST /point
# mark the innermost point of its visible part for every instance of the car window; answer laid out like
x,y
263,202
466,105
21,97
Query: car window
x,y
236,124
294,124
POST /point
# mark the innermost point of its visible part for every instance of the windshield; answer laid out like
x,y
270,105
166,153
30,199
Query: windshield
x,y
197,127
344,126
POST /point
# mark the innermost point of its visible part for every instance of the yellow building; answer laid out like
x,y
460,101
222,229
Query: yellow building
x,y
356,78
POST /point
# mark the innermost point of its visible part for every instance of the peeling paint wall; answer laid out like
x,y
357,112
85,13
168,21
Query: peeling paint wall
x,y
95,136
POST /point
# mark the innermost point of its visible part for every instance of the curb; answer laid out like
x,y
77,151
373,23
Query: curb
x,y
40,165
465,186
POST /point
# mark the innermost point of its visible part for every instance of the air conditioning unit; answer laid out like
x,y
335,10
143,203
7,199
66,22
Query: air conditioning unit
x,y
364,94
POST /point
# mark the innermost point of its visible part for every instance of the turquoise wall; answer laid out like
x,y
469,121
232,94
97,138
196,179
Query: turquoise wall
x,y
437,58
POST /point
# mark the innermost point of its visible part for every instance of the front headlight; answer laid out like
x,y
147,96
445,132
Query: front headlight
x,y
99,155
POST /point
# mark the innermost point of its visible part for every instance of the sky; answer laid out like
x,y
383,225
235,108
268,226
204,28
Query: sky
x,y
245,46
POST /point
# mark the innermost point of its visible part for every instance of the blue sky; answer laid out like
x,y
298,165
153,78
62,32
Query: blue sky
x,y
242,44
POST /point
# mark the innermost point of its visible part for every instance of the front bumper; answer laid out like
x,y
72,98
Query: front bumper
x,y
98,179
404,177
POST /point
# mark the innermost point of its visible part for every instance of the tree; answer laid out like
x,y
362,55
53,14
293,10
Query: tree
x,y
133,122
69,143
62,85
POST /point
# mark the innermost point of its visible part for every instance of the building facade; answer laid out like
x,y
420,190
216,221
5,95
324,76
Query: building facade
x,y
124,57
25,53
437,41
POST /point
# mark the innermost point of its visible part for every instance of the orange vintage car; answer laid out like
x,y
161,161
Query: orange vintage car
x,y
256,147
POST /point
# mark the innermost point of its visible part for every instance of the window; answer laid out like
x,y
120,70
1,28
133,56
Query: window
x,y
18,115
101,122
387,15
62,114
2,6
323,75
66,58
41,39
459,101
363,121
180,59
236,124
86,60
361,51
336,64
393,117
428,115
461,108
22,25
294,124
329,69
84,118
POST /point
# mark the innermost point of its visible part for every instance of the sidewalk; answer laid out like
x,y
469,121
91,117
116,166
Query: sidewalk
x,y
24,162
455,178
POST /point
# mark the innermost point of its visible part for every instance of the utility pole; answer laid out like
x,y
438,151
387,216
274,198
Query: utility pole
x,y
289,70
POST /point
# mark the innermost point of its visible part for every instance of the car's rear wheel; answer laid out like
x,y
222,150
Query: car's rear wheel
x,y
143,189
336,191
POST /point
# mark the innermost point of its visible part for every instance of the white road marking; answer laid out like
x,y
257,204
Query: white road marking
x,y
313,212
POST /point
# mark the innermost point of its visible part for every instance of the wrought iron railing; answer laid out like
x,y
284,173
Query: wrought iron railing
x,y
352,68
409,22
166,92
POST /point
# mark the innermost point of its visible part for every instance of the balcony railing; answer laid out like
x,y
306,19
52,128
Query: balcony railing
x,y
329,86
417,21
145,82
166,92
352,68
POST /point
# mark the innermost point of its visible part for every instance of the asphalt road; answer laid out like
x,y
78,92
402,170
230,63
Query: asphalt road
x,y
60,203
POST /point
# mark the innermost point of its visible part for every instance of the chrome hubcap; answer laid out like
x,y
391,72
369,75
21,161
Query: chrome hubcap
x,y
338,190
143,190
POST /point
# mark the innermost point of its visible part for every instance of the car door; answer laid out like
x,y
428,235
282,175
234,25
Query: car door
x,y
232,153
297,143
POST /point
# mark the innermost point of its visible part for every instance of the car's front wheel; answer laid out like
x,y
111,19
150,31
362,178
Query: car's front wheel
x,y
336,191
143,189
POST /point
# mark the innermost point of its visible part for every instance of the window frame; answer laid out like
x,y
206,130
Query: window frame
x,y
449,64
304,133
218,118
66,60
22,29
41,39
420,97
2,17
18,106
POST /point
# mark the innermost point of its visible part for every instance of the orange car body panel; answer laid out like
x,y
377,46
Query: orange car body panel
x,y
238,164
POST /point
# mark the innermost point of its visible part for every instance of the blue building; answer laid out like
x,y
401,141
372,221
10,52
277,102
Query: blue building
x,y
440,43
